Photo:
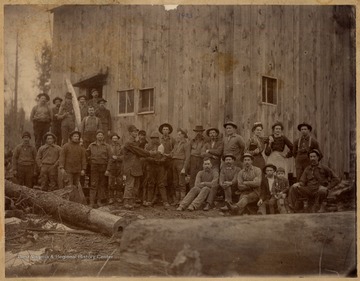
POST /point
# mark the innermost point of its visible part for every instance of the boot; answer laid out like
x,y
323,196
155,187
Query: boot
x,y
207,207
182,195
322,208
176,200
128,204
92,198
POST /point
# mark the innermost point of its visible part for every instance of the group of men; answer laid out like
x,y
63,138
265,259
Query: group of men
x,y
189,174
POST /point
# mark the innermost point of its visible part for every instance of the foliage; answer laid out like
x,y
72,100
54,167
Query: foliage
x,y
43,67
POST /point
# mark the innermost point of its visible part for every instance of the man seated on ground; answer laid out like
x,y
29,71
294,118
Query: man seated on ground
x,y
249,180
314,184
272,191
228,178
205,180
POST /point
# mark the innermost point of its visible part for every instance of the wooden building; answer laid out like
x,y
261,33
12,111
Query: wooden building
x,y
207,64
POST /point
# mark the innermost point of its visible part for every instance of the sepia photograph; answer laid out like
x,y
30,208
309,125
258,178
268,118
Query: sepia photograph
x,y
180,140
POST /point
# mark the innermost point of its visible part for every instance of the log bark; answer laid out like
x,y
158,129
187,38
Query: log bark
x,y
292,244
66,211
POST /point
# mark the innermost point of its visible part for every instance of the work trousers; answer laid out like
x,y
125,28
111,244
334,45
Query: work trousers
x,y
154,183
48,177
195,197
115,184
212,194
98,181
67,127
271,203
73,178
316,195
178,177
40,129
25,175
229,191
245,199
131,186
196,165
169,180
56,130
301,162
88,137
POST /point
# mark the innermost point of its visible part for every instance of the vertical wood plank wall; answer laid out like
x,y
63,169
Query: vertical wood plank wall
x,y
206,64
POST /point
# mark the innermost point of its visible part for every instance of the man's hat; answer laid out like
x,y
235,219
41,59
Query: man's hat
x,y
82,96
154,135
94,90
247,155
280,169
142,132
255,125
228,155
271,166
68,95
304,124
49,134
75,132
99,131
212,129
115,135
57,98
132,128
165,125
26,134
183,131
230,123
319,154
43,95
100,100
278,124
199,128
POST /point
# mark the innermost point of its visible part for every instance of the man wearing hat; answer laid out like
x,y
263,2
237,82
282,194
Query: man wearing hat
x,y
180,156
99,155
154,178
314,184
67,117
95,97
228,178
73,159
56,122
249,180
47,160
302,146
213,147
132,167
83,106
24,161
115,169
196,159
89,126
41,116
233,143
105,118
273,191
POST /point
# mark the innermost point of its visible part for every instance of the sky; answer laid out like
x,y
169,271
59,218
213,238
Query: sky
x,y
33,23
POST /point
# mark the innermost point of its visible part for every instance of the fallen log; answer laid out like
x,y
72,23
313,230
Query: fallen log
x,y
293,244
66,211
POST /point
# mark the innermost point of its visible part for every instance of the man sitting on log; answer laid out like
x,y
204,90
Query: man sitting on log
x,y
314,184
205,180
249,180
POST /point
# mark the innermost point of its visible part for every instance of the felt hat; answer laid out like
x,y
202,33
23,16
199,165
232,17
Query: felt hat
x,y
100,132
26,134
278,124
165,125
228,155
247,155
57,98
43,95
132,128
82,96
280,169
94,90
142,132
304,124
49,134
100,100
255,125
271,166
212,129
230,123
183,131
319,154
115,135
199,128
155,135
68,95
75,132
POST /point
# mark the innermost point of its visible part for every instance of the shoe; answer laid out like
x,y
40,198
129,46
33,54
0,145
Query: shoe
x,y
128,206
225,208
191,208
119,200
322,208
180,208
166,205
111,201
207,207
234,209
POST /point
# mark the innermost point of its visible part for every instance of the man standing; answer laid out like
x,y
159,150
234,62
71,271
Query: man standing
x,y
48,161
196,160
56,122
142,139
314,183
89,126
83,106
73,159
99,155
41,116
67,116
105,118
301,148
228,178
233,143
115,169
205,180
24,161
249,180
213,148
94,100
132,167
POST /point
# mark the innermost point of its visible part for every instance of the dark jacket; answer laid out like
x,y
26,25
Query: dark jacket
x,y
132,153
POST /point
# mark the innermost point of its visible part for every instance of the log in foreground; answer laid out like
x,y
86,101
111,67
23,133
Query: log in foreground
x,y
294,244
66,211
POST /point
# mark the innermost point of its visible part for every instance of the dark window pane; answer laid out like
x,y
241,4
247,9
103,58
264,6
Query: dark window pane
x,y
130,101
264,89
122,102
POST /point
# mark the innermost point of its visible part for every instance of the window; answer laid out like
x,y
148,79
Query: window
x,y
126,102
146,100
269,90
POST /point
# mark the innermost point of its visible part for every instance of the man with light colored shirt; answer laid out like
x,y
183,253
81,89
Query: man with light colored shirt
x,y
233,143
89,126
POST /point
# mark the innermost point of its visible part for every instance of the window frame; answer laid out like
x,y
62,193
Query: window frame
x,y
266,93
140,100
118,102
